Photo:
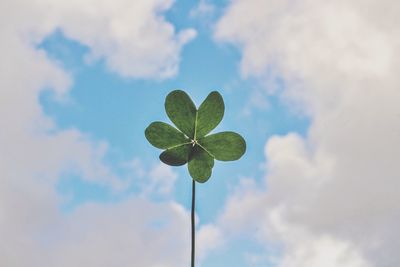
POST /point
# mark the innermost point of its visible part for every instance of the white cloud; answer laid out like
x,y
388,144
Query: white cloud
x,y
162,179
134,40
135,232
323,251
203,10
209,237
336,190
157,180
132,37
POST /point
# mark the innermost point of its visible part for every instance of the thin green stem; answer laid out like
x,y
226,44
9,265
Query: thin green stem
x,y
193,221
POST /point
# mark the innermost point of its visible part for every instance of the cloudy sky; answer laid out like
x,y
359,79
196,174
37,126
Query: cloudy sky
x,y
313,86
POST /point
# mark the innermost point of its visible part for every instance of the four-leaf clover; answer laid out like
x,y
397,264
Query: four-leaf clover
x,y
189,142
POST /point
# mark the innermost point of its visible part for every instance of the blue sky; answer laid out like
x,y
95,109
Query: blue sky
x,y
315,96
116,110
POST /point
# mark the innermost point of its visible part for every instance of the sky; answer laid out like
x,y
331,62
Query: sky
x,y
311,85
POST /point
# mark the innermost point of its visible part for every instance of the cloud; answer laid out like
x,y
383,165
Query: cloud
x,y
123,234
125,34
209,237
101,235
203,10
332,194
34,153
157,180
162,179
132,36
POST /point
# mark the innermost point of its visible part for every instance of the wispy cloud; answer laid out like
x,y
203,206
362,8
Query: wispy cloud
x,y
34,153
332,195
203,10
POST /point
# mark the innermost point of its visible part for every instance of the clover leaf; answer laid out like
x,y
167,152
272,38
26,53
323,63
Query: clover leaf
x,y
189,142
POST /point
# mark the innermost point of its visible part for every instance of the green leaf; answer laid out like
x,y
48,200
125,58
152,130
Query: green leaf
x,y
163,135
176,156
192,127
200,165
181,111
210,114
225,146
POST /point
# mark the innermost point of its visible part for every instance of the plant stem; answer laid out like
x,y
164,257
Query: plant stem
x,y
193,221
